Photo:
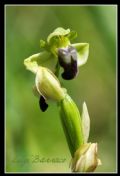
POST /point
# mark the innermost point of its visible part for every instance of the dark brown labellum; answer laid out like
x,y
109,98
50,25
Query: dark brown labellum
x,y
68,60
42,103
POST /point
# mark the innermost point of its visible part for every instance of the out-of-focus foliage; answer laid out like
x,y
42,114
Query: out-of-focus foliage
x,y
32,136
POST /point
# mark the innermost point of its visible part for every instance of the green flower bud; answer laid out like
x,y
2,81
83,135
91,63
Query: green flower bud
x,y
48,85
85,158
72,125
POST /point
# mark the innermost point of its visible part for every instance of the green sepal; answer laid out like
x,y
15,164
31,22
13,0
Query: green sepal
x,y
38,59
57,33
72,35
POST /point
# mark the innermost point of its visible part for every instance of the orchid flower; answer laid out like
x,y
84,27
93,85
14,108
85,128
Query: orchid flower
x,y
59,51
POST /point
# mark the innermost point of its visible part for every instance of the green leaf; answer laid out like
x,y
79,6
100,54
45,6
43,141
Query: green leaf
x,y
85,123
82,52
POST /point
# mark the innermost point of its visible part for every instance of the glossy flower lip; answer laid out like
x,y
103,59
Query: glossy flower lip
x,y
68,60
42,103
72,57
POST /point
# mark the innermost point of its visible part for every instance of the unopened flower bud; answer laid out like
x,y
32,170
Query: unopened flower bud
x,y
72,125
85,158
48,85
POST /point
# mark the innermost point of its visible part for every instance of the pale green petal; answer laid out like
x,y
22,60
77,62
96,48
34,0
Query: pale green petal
x,y
58,32
72,35
31,65
85,123
82,52
36,60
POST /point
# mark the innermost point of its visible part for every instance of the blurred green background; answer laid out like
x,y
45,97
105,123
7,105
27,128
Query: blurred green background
x,y
31,135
